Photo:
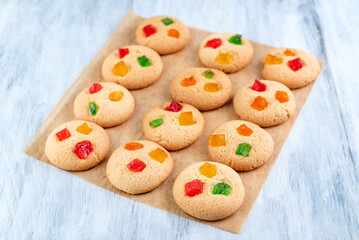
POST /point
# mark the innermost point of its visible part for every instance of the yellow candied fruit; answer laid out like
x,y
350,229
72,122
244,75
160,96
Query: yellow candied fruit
x,y
84,129
120,69
211,87
186,119
224,58
217,140
115,96
173,33
158,155
272,60
208,169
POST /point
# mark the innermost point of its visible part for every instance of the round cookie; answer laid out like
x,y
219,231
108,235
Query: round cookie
x,y
163,34
107,104
208,191
174,125
204,88
132,66
77,145
265,103
225,51
139,167
293,67
240,145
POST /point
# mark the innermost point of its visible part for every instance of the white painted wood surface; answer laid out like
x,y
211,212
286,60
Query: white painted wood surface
x,y
313,189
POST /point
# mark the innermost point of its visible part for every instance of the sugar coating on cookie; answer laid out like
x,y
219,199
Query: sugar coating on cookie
x,y
107,104
208,190
132,66
77,145
163,34
293,67
139,166
173,125
225,51
204,88
265,103
240,145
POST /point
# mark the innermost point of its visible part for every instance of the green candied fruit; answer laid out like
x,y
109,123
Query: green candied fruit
x,y
156,123
167,21
93,108
144,61
208,74
243,149
221,188
236,39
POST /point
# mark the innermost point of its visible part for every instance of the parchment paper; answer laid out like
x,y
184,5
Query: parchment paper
x,y
154,95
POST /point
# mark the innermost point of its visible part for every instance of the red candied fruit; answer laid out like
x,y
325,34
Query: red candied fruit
x,y
194,188
83,149
174,107
63,134
95,88
136,165
214,43
122,52
149,30
258,86
295,64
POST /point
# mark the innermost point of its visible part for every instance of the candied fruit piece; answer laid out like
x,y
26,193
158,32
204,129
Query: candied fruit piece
x,y
186,119
221,188
188,82
272,60
243,149
93,108
83,149
174,33
174,107
244,130
115,96
194,188
84,129
217,140
132,146
281,96
120,69
144,61
295,64
156,123
224,58
136,165
258,86
214,43
236,39
167,21
148,30
63,134
95,88
211,87
122,52
288,52
208,169
158,155
208,74
259,103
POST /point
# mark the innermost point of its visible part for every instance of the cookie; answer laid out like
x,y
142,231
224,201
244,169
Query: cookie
x,y
204,88
225,51
163,34
132,66
77,145
107,104
208,191
174,125
240,145
265,103
139,167
293,67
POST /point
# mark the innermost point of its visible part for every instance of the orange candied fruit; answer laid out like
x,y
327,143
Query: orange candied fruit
x,y
132,146
281,96
271,59
84,129
188,82
217,140
208,169
224,58
288,52
259,103
186,119
158,155
120,69
115,96
244,130
173,33
211,87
